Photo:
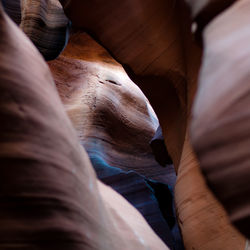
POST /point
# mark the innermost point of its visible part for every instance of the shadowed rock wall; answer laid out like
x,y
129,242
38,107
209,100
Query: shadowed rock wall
x,y
44,22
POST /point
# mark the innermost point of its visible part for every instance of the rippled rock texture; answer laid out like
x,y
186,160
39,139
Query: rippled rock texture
x,y
115,124
50,196
111,115
147,42
13,8
44,22
154,45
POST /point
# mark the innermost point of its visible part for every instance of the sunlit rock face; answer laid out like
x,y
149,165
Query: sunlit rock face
x,y
115,124
145,37
110,113
50,196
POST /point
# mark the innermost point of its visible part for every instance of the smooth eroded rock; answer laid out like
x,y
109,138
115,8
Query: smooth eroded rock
x,y
50,197
221,116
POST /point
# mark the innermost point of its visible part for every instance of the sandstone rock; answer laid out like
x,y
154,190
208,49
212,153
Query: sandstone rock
x,y
145,37
115,123
50,197
169,79
163,80
144,41
44,22
13,9
159,148
205,10
221,114
46,25
111,115
204,222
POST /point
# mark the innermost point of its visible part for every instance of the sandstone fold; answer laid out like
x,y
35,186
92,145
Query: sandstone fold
x,y
203,220
44,22
169,81
50,197
220,125
115,123
145,37
113,118
13,9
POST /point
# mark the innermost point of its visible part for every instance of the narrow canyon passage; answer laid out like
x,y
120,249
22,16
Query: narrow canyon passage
x,y
115,124
122,123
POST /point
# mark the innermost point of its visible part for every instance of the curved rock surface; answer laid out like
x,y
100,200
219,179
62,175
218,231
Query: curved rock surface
x,y
43,21
50,197
145,43
110,113
205,10
195,204
148,43
169,79
13,9
115,124
220,132
159,148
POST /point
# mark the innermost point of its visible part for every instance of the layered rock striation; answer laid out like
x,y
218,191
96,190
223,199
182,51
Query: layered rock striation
x,y
115,124
44,22
50,196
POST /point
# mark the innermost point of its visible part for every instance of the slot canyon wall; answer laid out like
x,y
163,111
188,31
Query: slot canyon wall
x,y
141,53
115,124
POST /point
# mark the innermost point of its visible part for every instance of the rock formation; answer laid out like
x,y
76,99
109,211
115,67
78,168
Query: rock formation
x,y
44,22
46,173
203,11
167,78
47,177
220,114
110,113
115,124
148,43
13,8
159,148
